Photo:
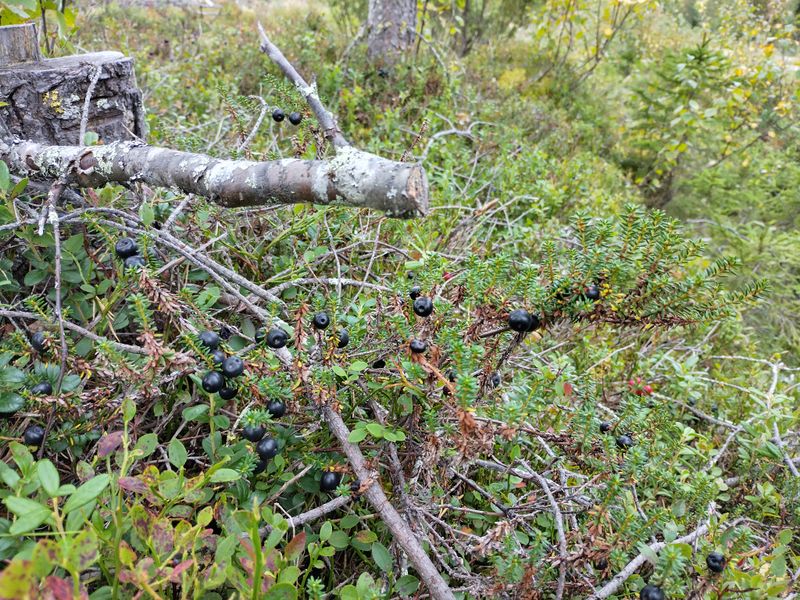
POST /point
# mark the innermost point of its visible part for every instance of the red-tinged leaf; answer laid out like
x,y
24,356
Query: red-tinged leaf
x,y
248,547
127,576
175,576
162,537
132,484
567,389
295,547
247,565
108,443
270,563
58,589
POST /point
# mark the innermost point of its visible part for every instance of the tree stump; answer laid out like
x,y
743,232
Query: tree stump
x,y
43,100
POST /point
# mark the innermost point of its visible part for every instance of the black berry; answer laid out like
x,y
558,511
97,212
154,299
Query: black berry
x,y
716,562
415,292
228,393
379,364
495,379
233,366
295,118
344,338
330,481
593,292
37,341
267,448
520,320
417,346
423,306
651,592
126,247
134,262
209,339
278,115
260,467
33,436
605,426
253,433
213,382
624,441
42,389
218,356
321,320
277,338
276,408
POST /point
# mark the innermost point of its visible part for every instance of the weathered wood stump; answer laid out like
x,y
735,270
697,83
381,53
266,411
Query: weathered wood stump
x,y
42,100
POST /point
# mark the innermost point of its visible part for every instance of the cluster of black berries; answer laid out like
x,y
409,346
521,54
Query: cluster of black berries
x,y
266,447
423,307
714,561
128,251
294,117
34,435
624,441
219,381
277,338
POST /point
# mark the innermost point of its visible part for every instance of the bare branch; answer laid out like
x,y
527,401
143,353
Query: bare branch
x,y
427,571
352,178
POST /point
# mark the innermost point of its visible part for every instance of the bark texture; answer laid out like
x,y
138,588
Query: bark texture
x,y
351,178
391,25
45,99
18,43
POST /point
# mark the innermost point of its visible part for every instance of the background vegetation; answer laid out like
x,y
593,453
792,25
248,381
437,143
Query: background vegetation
x,y
649,148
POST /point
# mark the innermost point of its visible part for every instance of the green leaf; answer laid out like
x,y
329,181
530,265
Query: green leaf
x,y
5,177
407,585
128,410
325,531
8,475
339,371
193,412
382,557
375,429
147,444
281,591
349,592
35,276
357,435
339,540
358,366
225,475
147,214
11,375
23,506
11,403
29,522
349,521
86,493
48,476
19,188
30,514
177,453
